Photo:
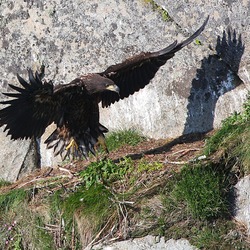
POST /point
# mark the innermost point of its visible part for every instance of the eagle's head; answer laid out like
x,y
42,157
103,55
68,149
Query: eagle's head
x,y
95,83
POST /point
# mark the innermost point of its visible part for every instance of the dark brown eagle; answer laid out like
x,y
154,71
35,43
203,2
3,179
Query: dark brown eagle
x,y
73,107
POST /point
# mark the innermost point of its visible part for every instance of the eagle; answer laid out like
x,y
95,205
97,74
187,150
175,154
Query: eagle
x,y
74,107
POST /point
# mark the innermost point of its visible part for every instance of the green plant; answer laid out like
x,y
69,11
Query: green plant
x,y
156,7
11,236
12,199
4,183
232,141
144,165
203,191
124,137
197,41
104,171
231,128
94,204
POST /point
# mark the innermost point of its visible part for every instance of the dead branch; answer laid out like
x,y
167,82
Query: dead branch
x,y
98,235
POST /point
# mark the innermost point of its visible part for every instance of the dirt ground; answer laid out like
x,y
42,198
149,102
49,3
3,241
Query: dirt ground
x,y
173,153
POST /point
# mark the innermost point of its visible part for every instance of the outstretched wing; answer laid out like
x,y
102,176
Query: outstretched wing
x,y
136,72
32,109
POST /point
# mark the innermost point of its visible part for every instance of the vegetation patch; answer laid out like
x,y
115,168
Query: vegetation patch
x,y
104,171
195,206
156,7
13,199
231,143
19,224
4,183
203,190
135,197
120,138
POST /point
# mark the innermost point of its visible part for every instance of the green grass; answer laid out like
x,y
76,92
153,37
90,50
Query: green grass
x,y
18,223
203,191
195,207
94,200
4,183
117,139
91,207
231,129
199,192
12,199
232,140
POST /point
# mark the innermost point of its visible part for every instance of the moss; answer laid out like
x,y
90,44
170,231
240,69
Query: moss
x,y
164,14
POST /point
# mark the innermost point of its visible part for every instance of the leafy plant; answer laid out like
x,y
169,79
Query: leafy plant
x,y
102,172
144,165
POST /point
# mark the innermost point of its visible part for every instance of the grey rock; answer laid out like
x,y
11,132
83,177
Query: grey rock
x,y
148,243
242,212
193,92
18,158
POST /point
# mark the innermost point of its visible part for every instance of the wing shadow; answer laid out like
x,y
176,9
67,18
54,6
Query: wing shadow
x,y
217,75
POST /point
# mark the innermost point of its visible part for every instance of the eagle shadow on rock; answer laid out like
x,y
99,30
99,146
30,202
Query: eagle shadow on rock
x,y
208,85
73,107
216,76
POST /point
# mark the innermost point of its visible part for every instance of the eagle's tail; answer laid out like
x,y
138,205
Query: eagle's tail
x,y
66,144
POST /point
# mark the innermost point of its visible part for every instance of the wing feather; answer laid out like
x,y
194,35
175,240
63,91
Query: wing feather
x,y
32,109
135,73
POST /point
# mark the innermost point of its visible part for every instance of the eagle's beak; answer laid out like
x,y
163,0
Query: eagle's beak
x,y
113,88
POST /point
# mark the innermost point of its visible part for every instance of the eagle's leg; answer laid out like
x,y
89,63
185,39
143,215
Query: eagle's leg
x,y
73,145
101,142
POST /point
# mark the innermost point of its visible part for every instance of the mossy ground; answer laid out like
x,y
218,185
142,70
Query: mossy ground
x,y
150,188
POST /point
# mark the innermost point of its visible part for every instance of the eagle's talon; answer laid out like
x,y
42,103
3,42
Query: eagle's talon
x,y
72,145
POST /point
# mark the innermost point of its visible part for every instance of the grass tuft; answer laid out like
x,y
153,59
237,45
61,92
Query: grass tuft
x,y
12,199
117,139
4,183
202,190
232,140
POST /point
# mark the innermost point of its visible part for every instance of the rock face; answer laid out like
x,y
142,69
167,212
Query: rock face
x,y
150,243
242,212
193,92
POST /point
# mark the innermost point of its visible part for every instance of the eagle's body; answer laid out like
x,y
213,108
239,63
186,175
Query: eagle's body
x,y
74,107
